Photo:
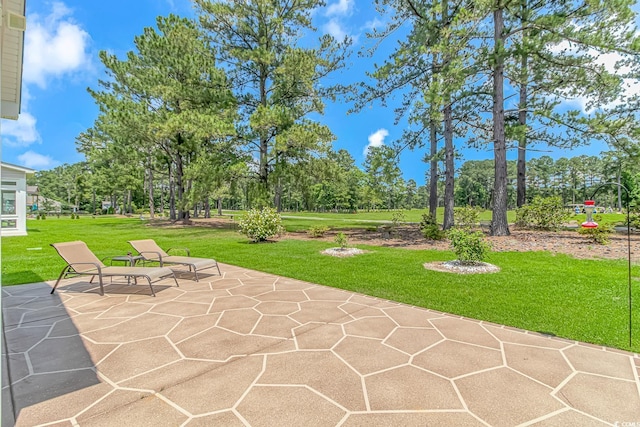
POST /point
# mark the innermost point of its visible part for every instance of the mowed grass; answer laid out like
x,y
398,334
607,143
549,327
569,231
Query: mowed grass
x,y
584,300
362,218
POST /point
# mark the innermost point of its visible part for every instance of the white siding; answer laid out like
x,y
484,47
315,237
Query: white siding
x,y
20,178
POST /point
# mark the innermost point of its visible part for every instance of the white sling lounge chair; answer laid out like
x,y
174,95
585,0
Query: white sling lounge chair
x,y
82,262
151,252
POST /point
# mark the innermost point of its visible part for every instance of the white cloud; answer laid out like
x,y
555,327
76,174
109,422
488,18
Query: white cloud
x,y
340,8
33,160
21,132
54,46
334,28
337,12
607,60
373,24
376,139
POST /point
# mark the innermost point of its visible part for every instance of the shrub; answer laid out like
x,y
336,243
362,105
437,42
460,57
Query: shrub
x,y
469,246
466,217
600,234
396,218
430,228
543,213
317,230
634,218
341,240
260,225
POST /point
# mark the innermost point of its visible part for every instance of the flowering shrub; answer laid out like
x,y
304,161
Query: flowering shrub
x,y
469,247
260,225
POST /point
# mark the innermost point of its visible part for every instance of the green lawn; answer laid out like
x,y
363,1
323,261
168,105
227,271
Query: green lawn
x,y
577,299
411,215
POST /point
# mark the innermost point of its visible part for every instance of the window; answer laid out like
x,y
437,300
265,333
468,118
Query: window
x,y
8,202
9,223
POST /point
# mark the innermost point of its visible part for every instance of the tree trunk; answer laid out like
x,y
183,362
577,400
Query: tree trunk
x,y
277,199
499,223
264,142
151,202
207,208
522,150
172,195
433,172
180,202
521,197
619,193
449,167
219,206
161,198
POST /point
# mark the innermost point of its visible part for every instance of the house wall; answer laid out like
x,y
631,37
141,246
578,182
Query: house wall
x,y
14,203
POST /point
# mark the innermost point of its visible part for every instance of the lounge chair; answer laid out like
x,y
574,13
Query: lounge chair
x,y
82,262
151,252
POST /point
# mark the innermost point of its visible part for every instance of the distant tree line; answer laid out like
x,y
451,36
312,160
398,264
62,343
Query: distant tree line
x,y
336,184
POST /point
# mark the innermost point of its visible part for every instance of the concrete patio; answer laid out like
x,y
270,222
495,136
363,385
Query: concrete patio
x,y
255,349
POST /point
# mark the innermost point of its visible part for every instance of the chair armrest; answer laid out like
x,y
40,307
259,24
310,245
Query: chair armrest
x,y
180,249
158,256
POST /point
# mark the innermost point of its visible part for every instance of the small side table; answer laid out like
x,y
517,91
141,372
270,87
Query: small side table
x,y
128,260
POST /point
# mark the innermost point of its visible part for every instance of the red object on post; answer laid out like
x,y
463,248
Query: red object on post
x,y
589,206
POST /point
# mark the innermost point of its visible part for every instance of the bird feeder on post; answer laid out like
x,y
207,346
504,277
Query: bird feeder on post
x,y
589,207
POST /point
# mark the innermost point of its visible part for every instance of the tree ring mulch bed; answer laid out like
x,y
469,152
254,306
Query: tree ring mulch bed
x,y
459,267
343,252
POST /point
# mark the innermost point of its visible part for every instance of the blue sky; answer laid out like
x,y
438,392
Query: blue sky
x,y
62,42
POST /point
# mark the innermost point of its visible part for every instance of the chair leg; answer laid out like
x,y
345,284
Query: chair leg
x,y
153,294
218,267
100,282
195,272
64,272
174,278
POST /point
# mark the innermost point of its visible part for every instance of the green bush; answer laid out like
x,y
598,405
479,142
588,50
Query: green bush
x,y
634,218
430,228
466,217
397,218
601,234
317,231
469,246
341,240
543,213
259,225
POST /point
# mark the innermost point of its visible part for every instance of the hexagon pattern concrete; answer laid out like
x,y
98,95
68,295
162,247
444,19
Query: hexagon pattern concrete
x,y
255,349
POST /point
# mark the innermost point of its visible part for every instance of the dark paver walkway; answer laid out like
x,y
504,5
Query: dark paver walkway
x,y
255,349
